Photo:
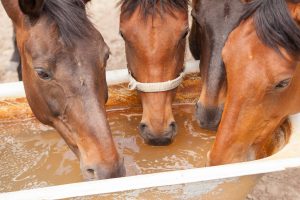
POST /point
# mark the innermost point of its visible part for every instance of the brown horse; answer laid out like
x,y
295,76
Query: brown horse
x,y
261,57
212,23
63,64
155,33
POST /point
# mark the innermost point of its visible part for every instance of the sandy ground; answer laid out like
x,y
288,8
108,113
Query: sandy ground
x,y
104,15
7,69
278,186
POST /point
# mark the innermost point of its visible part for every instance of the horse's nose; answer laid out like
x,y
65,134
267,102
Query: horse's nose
x,y
143,128
99,171
158,139
209,118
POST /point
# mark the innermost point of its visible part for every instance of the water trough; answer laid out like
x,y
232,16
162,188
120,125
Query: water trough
x,y
231,181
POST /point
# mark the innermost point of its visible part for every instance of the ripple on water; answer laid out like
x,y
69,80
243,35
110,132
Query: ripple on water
x,y
34,155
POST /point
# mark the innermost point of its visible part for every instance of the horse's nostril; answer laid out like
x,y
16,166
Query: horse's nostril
x,y
196,106
142,127
91,172
173,126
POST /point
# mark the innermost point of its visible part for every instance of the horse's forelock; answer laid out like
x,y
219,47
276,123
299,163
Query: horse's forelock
x,y
71,19
149,7
274,25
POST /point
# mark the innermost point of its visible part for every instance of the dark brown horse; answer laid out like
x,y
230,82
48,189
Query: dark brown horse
x,y
261,57
155,33
63,64
212,23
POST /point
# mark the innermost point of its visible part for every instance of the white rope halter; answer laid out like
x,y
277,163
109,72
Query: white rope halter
x,y
155,87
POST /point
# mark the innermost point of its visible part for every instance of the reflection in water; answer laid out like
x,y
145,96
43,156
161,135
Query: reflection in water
x,y
187,151
33,155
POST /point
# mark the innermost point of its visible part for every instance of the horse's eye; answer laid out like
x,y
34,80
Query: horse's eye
x,y
283,84
121,34
43,74
185,34
107,56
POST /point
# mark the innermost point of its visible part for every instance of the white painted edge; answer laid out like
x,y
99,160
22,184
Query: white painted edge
x,y
11,90
113,77
288,157
152,180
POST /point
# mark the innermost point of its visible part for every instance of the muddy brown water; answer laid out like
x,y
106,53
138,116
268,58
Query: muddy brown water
x,y
33,155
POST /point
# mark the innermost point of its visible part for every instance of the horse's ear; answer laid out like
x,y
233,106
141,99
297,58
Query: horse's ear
x,y
32,8
12,10
296,13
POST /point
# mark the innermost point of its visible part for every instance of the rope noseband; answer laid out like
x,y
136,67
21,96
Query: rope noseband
x,y
155,87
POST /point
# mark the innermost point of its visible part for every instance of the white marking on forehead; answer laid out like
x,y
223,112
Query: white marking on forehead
x,y
78,62
81,79
250,56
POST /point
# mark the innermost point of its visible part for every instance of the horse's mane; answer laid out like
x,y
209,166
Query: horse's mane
x,y
70,17
273,23
149,7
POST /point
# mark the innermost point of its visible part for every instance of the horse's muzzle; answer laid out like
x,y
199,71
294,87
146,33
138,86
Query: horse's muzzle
x,y
158,139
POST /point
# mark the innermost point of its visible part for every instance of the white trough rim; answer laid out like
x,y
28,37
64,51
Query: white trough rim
x,y
288,157
113,77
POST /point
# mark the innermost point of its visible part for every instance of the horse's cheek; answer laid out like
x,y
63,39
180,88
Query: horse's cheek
x,y
56,102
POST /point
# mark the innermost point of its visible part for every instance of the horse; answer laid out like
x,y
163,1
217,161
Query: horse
x,y
212,22
63,65
261,58
155,34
